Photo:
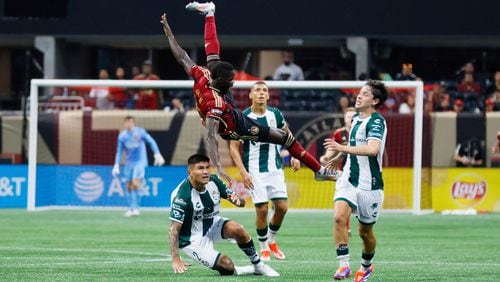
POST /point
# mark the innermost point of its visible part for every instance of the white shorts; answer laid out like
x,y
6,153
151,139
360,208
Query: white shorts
x,y
268,186
202,249
366,204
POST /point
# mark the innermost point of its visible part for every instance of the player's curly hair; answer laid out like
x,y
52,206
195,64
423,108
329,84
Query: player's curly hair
x,y
222,70
379,91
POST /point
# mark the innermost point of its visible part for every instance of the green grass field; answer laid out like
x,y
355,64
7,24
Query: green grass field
x,y
104,245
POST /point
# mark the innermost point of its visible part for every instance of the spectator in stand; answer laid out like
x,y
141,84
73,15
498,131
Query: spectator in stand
x,y
101,94
496,148
496,84
147,99
458,106
119,93
489,105
344,103
469,153
406,73
469,85
384,76
288,70
135,71
408,107
176,106
495,159
444,103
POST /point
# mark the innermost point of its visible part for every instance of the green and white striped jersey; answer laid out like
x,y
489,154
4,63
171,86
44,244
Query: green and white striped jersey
x,y
263,157
196,210
365,172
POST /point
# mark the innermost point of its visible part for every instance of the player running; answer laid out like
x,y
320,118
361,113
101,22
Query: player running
x,y
360,188
196,224
262,171
131,141
221,116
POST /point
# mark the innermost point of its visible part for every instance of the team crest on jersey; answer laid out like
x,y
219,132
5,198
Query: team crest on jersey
x,y
254,130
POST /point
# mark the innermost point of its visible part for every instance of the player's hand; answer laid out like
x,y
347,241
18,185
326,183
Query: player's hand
x,y
236,200
159,160
116,170
179,266
331,144
224,175
166,26
295,164
247,180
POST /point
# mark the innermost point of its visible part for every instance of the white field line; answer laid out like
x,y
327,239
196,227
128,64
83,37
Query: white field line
x,y
166,258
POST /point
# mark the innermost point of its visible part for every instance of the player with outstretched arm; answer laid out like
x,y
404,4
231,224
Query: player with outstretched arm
x,y
222,117
131,142
360,187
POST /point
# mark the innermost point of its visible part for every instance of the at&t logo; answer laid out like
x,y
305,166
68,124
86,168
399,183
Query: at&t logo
x,y
88,186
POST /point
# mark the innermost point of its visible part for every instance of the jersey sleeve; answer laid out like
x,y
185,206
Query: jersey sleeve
x,y
280,119
375,128
178,209
223,189
337,136
151,142
119,150
200,74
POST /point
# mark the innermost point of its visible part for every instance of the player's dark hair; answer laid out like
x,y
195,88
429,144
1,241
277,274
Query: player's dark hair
x,y
222,70
379,91
129,117
198,158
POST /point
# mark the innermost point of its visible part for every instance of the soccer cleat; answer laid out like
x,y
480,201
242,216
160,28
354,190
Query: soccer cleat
x,y
276,251
202,8
129,213
136,212
362,275
327,175
265,255
264,270
342,273
244,270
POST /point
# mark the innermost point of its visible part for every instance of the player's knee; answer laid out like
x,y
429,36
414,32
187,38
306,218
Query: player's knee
x,y
365,232
225,266
261,209
340,219
281,207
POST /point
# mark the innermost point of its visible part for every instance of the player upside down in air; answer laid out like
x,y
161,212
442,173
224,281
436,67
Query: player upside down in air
x,y
219,114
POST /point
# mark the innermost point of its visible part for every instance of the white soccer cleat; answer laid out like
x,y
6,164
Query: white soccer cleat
x,y
202,8
136,212
327,175
244,270
129,213
265,270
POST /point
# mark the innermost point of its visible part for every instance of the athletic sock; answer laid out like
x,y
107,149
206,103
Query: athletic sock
x,y
212,46
343,254
366,260
249,249
273,230
133,199
298,152
262,236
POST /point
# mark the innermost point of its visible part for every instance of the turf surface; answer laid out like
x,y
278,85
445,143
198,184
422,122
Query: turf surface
x,y
105,246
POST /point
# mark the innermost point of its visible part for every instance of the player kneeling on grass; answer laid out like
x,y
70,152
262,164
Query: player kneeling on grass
x,y
131,141
196,224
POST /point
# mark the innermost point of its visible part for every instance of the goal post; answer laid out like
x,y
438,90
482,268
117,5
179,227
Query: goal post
x,y
416,86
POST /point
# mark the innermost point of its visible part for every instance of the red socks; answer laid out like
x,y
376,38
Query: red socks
x,y
298,152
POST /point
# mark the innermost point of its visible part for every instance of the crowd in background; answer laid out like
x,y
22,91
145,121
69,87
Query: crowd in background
x,y
469,93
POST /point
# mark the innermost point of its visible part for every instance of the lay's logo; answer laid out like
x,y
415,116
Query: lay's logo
x,y
469,190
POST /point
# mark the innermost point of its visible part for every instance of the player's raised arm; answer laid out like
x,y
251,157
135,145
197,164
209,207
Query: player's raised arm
x,y
213,147
180,54
158,158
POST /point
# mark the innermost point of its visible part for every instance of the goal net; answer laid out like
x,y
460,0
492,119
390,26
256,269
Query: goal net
x,y
72,146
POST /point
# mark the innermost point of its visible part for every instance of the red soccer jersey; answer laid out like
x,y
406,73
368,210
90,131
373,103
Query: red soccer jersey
x,y
209,102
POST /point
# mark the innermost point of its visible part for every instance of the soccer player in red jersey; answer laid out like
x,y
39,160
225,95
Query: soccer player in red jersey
x,y
220,115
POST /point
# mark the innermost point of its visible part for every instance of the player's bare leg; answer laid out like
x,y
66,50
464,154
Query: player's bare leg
x,y
261,211
280,209
236,231
369,243
342,212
